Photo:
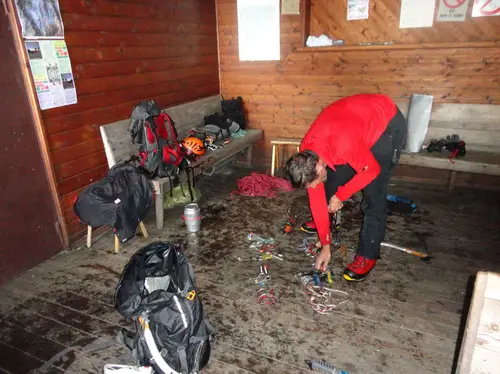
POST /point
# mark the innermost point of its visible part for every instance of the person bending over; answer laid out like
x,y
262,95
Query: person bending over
x,y
353,145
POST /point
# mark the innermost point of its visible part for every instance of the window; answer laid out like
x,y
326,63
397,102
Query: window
x,y
259,30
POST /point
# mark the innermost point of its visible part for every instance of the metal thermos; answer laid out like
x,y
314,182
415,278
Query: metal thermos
x,y
192,217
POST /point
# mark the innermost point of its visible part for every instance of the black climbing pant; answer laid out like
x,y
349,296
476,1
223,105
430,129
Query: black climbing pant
x,y
386,151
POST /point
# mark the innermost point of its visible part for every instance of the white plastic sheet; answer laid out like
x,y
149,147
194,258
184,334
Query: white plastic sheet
x,y
419,115
259,30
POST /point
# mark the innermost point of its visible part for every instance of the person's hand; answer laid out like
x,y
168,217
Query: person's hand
x,y
323,258
335,204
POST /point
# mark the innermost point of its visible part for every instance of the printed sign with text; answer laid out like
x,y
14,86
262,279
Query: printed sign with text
x,y
452,10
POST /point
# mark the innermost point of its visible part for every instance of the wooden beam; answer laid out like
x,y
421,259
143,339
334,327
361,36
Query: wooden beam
x,y
37,117
305,18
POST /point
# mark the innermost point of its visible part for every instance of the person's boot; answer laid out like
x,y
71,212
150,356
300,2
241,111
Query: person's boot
x,y
359,269
309,227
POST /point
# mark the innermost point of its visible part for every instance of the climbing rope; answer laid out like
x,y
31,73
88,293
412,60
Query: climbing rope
x,y
261,185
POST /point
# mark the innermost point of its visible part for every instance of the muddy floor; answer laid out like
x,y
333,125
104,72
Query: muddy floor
x,y
406,317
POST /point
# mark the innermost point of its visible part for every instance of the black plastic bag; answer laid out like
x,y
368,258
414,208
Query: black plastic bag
x,y
158,284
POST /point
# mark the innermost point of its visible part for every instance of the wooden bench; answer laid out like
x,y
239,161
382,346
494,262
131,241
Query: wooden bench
x,y
480,348
476,124
119,147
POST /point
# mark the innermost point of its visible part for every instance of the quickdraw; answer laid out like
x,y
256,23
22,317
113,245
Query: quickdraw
x,y
321,298
254,237
266,248
310,246
264,297
336,241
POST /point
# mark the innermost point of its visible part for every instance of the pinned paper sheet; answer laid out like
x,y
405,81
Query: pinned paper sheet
x,y
52,74
486,8
40,18
290,6
357,9
452,10
417,13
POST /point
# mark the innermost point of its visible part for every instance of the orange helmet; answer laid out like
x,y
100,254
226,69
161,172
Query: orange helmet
x,y
193,146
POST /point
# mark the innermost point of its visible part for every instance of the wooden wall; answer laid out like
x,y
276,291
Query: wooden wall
x,y
123,52
284,97
382,25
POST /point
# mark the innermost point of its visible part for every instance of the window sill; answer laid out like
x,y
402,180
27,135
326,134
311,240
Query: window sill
x,y
342,48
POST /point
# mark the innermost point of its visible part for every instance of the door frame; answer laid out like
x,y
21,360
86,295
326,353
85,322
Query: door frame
x,y
10,8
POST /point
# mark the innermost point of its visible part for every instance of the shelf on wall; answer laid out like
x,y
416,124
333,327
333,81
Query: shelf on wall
x,y
490,44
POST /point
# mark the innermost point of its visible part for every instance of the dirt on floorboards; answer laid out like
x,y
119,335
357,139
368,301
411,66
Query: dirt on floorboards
x,y
405,318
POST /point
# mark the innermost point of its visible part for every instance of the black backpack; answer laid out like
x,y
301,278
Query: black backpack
x,y
222,121
160,152
157,291
234,108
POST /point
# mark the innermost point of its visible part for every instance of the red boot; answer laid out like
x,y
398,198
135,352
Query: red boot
x,y
359,269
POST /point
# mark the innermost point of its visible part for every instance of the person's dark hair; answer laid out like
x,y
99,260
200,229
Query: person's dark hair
x,y
300,169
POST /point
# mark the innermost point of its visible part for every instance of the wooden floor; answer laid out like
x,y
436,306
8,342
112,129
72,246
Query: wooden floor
x,y
405,318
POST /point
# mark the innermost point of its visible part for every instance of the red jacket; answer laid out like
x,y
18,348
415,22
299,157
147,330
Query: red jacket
x,y
343,133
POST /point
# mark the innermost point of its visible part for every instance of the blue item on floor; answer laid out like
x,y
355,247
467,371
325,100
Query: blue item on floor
x,y
401,204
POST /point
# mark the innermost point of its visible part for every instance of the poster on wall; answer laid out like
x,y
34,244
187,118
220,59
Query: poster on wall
x,y
486,8
417,13
290,6
52,74
452,10
357,9
40,19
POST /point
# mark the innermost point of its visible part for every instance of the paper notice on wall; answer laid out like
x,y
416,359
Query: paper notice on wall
x,y
290,6
52,74
417,13
357,9
486,8
452,10
40,18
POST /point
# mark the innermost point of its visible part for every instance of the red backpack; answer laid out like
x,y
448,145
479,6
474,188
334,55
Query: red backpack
x,y
160,152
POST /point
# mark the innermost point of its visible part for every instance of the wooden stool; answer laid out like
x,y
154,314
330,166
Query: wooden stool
x,y
276,143
117,241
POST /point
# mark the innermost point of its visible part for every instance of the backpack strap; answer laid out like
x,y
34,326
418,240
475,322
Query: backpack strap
x,y
210,328
126,337
210,333
160,126
189,185
172,152
181,351
173,132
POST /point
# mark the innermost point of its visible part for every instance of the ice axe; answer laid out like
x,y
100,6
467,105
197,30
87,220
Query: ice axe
x,y
423,256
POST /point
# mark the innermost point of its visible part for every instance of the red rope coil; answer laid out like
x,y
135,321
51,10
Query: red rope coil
x,y
261,185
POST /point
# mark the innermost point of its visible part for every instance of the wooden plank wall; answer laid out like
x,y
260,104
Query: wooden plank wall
x,y
123,52
284,97
382,25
